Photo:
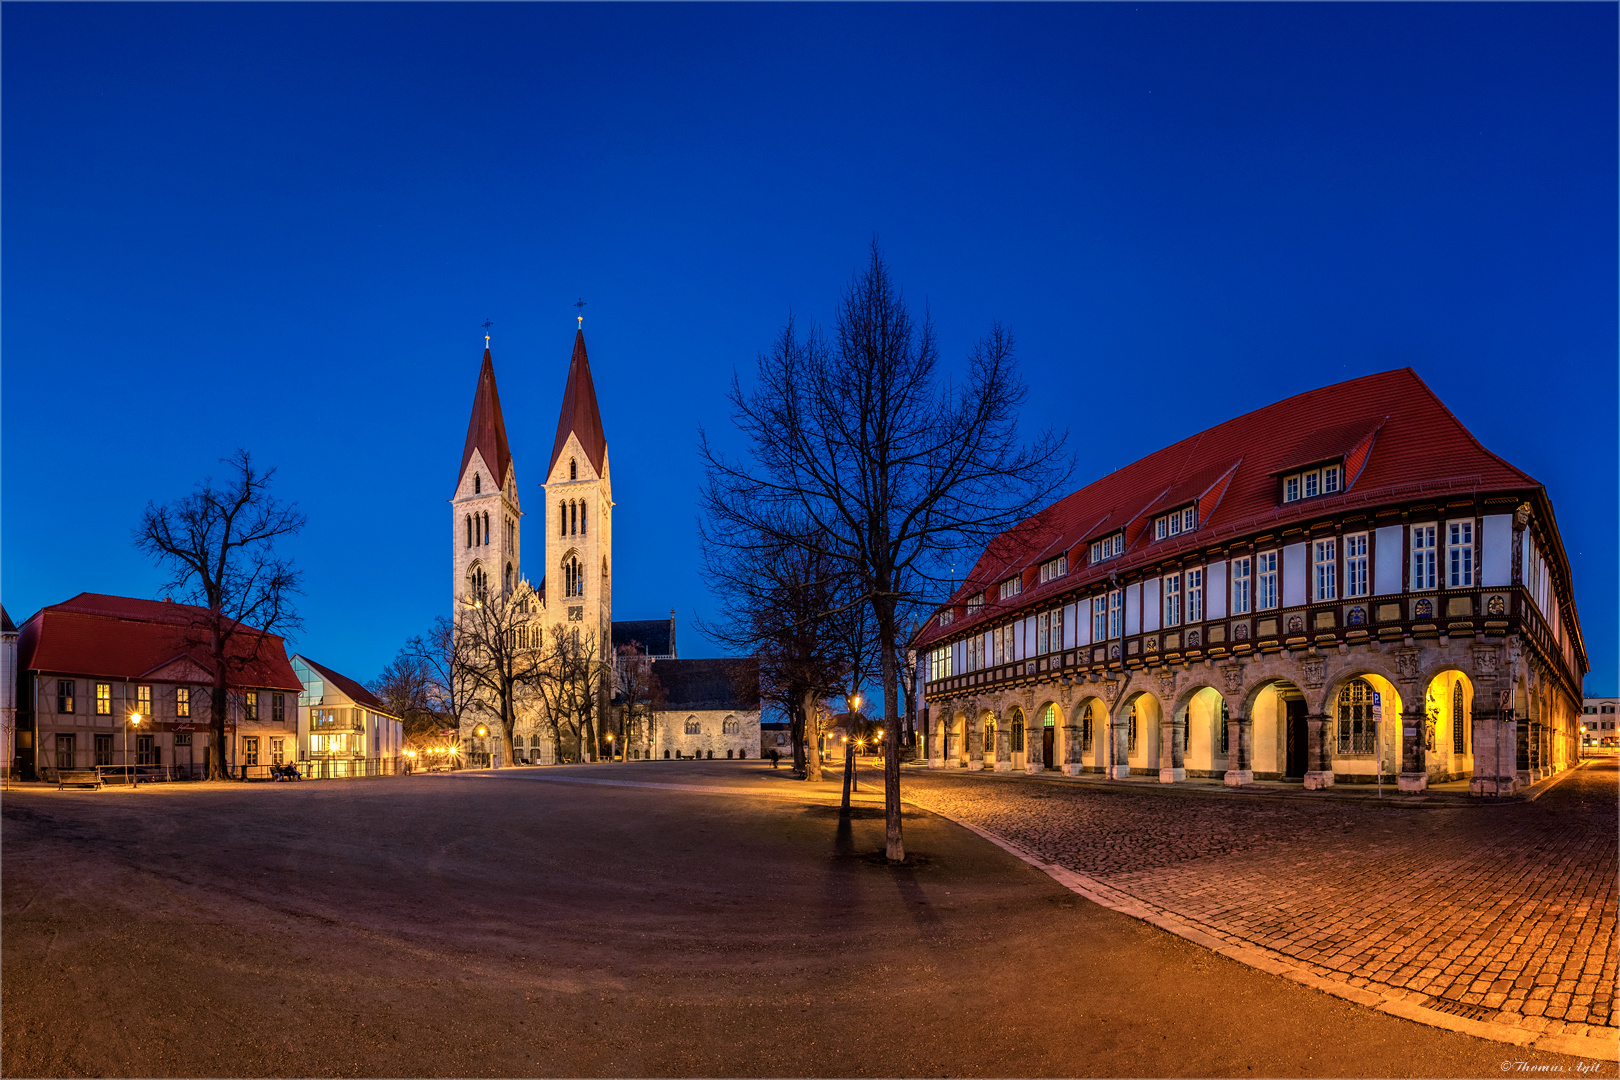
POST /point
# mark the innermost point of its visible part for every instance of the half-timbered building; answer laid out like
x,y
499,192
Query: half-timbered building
x,y
1337,587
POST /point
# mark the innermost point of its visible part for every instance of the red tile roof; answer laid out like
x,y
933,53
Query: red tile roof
x,y
356,692
486,429
119,637
579,412
1399,441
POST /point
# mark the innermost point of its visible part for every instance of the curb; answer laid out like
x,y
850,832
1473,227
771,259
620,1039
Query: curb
x,y
1395,1002
1446,801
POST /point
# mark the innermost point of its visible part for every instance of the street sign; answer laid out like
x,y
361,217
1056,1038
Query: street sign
x,y
1378,700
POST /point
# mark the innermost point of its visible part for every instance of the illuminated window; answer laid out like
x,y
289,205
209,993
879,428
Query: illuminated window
x,y
1357,719
103,699
182,701
250,751
143,701
64,695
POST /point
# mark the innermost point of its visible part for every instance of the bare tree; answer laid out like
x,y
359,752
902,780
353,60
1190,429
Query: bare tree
x,y
641,696
498,652
789,603
571,684
407,689
441,652
219,546
860,436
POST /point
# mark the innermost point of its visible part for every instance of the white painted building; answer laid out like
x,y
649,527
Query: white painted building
x,y
343,730
1598,717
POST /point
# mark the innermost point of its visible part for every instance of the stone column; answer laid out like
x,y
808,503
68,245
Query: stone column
x,y
1173,750
1319,753
973,732
1496,752
1003,745
1073,763
1035,744
1239,751
1414,775
1120,732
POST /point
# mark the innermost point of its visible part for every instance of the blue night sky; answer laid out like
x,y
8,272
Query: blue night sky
x,y
279,227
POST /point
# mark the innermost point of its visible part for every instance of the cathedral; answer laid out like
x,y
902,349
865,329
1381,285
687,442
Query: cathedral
x,y
700,708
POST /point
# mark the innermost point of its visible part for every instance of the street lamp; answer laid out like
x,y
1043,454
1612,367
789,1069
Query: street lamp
x,y
610,746
134,777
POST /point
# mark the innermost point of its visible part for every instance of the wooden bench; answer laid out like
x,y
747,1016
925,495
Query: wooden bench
x,y
78,778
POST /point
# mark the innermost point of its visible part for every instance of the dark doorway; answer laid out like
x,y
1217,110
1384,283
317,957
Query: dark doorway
x,y
1298,738
1048,740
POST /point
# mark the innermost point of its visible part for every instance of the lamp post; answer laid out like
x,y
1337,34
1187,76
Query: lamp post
x,y
610,746
134,777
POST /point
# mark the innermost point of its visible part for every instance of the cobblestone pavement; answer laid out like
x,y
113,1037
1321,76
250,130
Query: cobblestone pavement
x,y
1507,907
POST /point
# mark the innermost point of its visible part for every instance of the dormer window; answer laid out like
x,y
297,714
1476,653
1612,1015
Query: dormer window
x,y
1313,483
1108,547
1052,569
1012,587
1175,523
945,617
974,604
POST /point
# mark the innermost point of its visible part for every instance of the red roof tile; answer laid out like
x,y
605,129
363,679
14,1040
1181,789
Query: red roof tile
x,y
1416,446
579,412
486,429
119,637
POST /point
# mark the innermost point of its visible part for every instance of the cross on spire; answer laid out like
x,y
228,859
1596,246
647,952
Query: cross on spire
x,y
579,305
487,324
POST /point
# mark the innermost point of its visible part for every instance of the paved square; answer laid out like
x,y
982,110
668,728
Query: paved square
x,y
535,922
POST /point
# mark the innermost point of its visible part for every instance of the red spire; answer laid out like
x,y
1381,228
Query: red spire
x,y
486,430
579,411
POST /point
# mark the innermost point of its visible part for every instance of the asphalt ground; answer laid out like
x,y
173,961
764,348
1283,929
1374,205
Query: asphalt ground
x,y
522,923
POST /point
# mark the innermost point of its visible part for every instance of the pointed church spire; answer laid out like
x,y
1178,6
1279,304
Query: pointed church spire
x,y
486,430
579,411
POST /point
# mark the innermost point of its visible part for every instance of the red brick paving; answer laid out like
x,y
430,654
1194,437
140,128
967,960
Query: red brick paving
x,y
1510,907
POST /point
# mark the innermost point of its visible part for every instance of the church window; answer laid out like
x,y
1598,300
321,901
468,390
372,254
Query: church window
x,y
486,528
562,516
478,484
582,519
573,469
508,577
693,727
1459,727
469,530
730,726
573,518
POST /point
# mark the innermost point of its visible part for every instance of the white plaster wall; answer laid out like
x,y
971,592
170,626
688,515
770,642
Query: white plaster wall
x,y
1390,551
1496,551
1293,575
1150,604
1133,609
1215,589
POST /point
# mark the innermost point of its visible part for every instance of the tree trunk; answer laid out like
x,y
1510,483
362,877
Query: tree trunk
x,y
797,730
812,744
894,842
216,724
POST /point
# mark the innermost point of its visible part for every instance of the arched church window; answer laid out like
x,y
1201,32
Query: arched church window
x,y
693,727
990,737
1357,718
508,577
729,727
582,519
486,528
478,484
1015,734
562,517
469,530
1459,727
573,469
573,518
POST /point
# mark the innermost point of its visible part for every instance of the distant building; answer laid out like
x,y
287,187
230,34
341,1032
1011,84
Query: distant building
x,y
343,729
8,691
87,665
710,708
1598,720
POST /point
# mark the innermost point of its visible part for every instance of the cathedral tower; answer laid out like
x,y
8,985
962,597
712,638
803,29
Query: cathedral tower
x,y
485,522
579,512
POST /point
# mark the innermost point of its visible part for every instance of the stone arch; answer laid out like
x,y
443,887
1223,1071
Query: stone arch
x,y
1048,715
1200,722
1448,709
1090,734
1351,761
1142,752
1011,748
1275,708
